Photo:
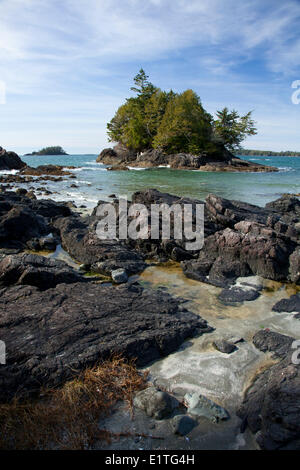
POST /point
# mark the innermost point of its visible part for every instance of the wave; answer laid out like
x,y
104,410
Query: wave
x,y
9,172
136,168
85,168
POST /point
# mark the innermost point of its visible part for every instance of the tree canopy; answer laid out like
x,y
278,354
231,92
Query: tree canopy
x,y
231,129
56,150
174,122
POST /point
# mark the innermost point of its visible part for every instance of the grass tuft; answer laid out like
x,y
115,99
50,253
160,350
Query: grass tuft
x,y
68,418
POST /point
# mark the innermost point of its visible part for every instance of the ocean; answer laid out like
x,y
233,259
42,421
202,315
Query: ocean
x,y
95,182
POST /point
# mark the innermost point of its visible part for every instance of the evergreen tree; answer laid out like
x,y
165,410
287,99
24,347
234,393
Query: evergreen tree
x,y
231,129
186,126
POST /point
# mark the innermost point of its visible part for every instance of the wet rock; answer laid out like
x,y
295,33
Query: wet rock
x,y
224,346
238,294
266,340
199,405
34,270
51,335
288,305
183,424
155,403
10,161
294,270
119,276
218,159
54,170
80,240
23,220
271,404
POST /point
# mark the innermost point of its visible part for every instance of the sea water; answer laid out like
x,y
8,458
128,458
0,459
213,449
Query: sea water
x,y
95,182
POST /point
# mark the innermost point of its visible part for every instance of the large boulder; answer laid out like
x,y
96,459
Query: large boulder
x,y
10,161
51,335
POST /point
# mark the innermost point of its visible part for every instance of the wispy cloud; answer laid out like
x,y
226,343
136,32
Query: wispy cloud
x,y
72,52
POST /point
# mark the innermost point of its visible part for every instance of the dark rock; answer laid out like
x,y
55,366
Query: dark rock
x,y
10,161
266,340
51,335
224,346
79,239
238,294
55,170
155,403
289,305
218,159
24,221
183,424
294,270
34,270
271,404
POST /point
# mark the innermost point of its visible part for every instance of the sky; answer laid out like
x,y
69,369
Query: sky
x,y
66,65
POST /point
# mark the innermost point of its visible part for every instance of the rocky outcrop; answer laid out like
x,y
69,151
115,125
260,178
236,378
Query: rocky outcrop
x,y
79,238
34,270
10,161
51,335
256,241
240,240
25,222
54,170
218,160
271,403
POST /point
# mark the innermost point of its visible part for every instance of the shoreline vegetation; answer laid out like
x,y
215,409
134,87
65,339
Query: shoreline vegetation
x,y
56,150
266,153
163,128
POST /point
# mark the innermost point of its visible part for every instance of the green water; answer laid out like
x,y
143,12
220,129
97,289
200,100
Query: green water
x,y
95,183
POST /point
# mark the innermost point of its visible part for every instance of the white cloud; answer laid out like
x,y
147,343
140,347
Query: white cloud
x,y
72,50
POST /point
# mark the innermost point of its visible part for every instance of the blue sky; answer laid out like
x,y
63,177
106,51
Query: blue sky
x,y
67,65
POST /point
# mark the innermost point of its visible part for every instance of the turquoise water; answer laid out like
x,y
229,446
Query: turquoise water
x,y
95,183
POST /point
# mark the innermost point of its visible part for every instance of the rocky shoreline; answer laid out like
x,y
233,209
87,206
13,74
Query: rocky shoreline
x,y
56,319
122,158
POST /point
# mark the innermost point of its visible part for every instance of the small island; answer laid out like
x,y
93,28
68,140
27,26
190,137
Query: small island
x,y
56,150
158,128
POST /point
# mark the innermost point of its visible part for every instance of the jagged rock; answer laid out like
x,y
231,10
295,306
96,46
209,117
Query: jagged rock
x,y
34,270
183,424
51,335
271,404
80,240
55,170
25,221
266,340
219,159
291,304
199,405
155,403
10,161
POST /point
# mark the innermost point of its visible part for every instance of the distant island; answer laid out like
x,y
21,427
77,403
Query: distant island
x,y
57,150
267,153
